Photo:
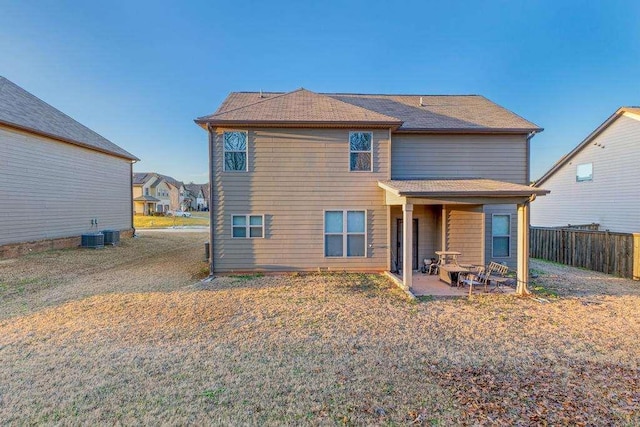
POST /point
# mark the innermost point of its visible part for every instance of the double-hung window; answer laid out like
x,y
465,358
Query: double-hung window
x,y
360,151
235,151
501,235
247,226
344,233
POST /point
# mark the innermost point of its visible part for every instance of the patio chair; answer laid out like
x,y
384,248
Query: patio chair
x,y
477,278
498,271
434,266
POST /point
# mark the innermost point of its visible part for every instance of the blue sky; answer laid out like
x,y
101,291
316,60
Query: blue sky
x,y
139,72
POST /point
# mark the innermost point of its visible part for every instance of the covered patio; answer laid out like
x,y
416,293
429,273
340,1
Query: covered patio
x,y
431,285
459,205
145,204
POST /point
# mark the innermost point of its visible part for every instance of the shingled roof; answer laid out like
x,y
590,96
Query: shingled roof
x,y
300,106
458,187
171,180
140,178
406,113
22,110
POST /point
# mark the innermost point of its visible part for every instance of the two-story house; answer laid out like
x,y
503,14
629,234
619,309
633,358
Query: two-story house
x,y
595,182
176,192
144,203
198,193
58,178
153,193
308,181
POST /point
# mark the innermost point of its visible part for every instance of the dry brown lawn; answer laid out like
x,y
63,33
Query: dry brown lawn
x,y
128,336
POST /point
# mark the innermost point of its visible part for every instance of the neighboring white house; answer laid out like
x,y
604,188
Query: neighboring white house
x,y
198,193
58,178
596,182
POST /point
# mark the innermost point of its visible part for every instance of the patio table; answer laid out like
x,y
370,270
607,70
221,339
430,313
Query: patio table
x,y
449,273
445,255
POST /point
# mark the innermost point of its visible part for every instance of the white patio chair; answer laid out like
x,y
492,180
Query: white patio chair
x,y
477,278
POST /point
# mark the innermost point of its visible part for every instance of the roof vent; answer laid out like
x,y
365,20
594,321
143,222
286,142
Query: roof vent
x,y
421,103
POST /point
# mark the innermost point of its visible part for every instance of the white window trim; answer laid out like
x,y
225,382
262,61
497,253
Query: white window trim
x,y
370,151
344,233
501,235
247,226
584,179
246,152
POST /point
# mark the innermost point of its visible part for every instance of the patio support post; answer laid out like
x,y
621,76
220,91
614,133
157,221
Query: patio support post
x,y
407,245
523,249
443,233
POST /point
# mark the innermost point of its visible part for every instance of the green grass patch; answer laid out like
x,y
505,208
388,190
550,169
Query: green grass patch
x,y
141,221
544,291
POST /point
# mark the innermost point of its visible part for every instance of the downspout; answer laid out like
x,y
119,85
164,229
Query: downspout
x,y
211,207
528,148
131,198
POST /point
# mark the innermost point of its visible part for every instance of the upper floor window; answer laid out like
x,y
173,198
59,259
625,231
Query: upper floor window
x,y
361,151
501,235
146,191
584,172
235,151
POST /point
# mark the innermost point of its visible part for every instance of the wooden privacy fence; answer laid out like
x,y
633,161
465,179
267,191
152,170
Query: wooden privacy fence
x,y
612,253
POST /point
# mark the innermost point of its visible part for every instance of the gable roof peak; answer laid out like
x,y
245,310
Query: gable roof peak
x,y
593,135
300,106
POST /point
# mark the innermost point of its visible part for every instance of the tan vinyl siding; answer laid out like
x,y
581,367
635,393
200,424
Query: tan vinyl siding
x,y
51,189
512,210
611,199
294,176
428,231
465,233
138,207
499,157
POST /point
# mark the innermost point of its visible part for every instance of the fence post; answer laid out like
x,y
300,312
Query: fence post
x,y
636,256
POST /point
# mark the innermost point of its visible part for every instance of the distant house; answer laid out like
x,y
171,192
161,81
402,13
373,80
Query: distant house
x,y
144,203
596,181
176,192
58,178
200,195
156,193
205,197
340,181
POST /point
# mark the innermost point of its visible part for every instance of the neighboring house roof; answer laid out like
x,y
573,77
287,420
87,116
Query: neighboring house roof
x,y
196,188
193,188
22,110
141,178
146,199
457,187
408,113
171,180
635,111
